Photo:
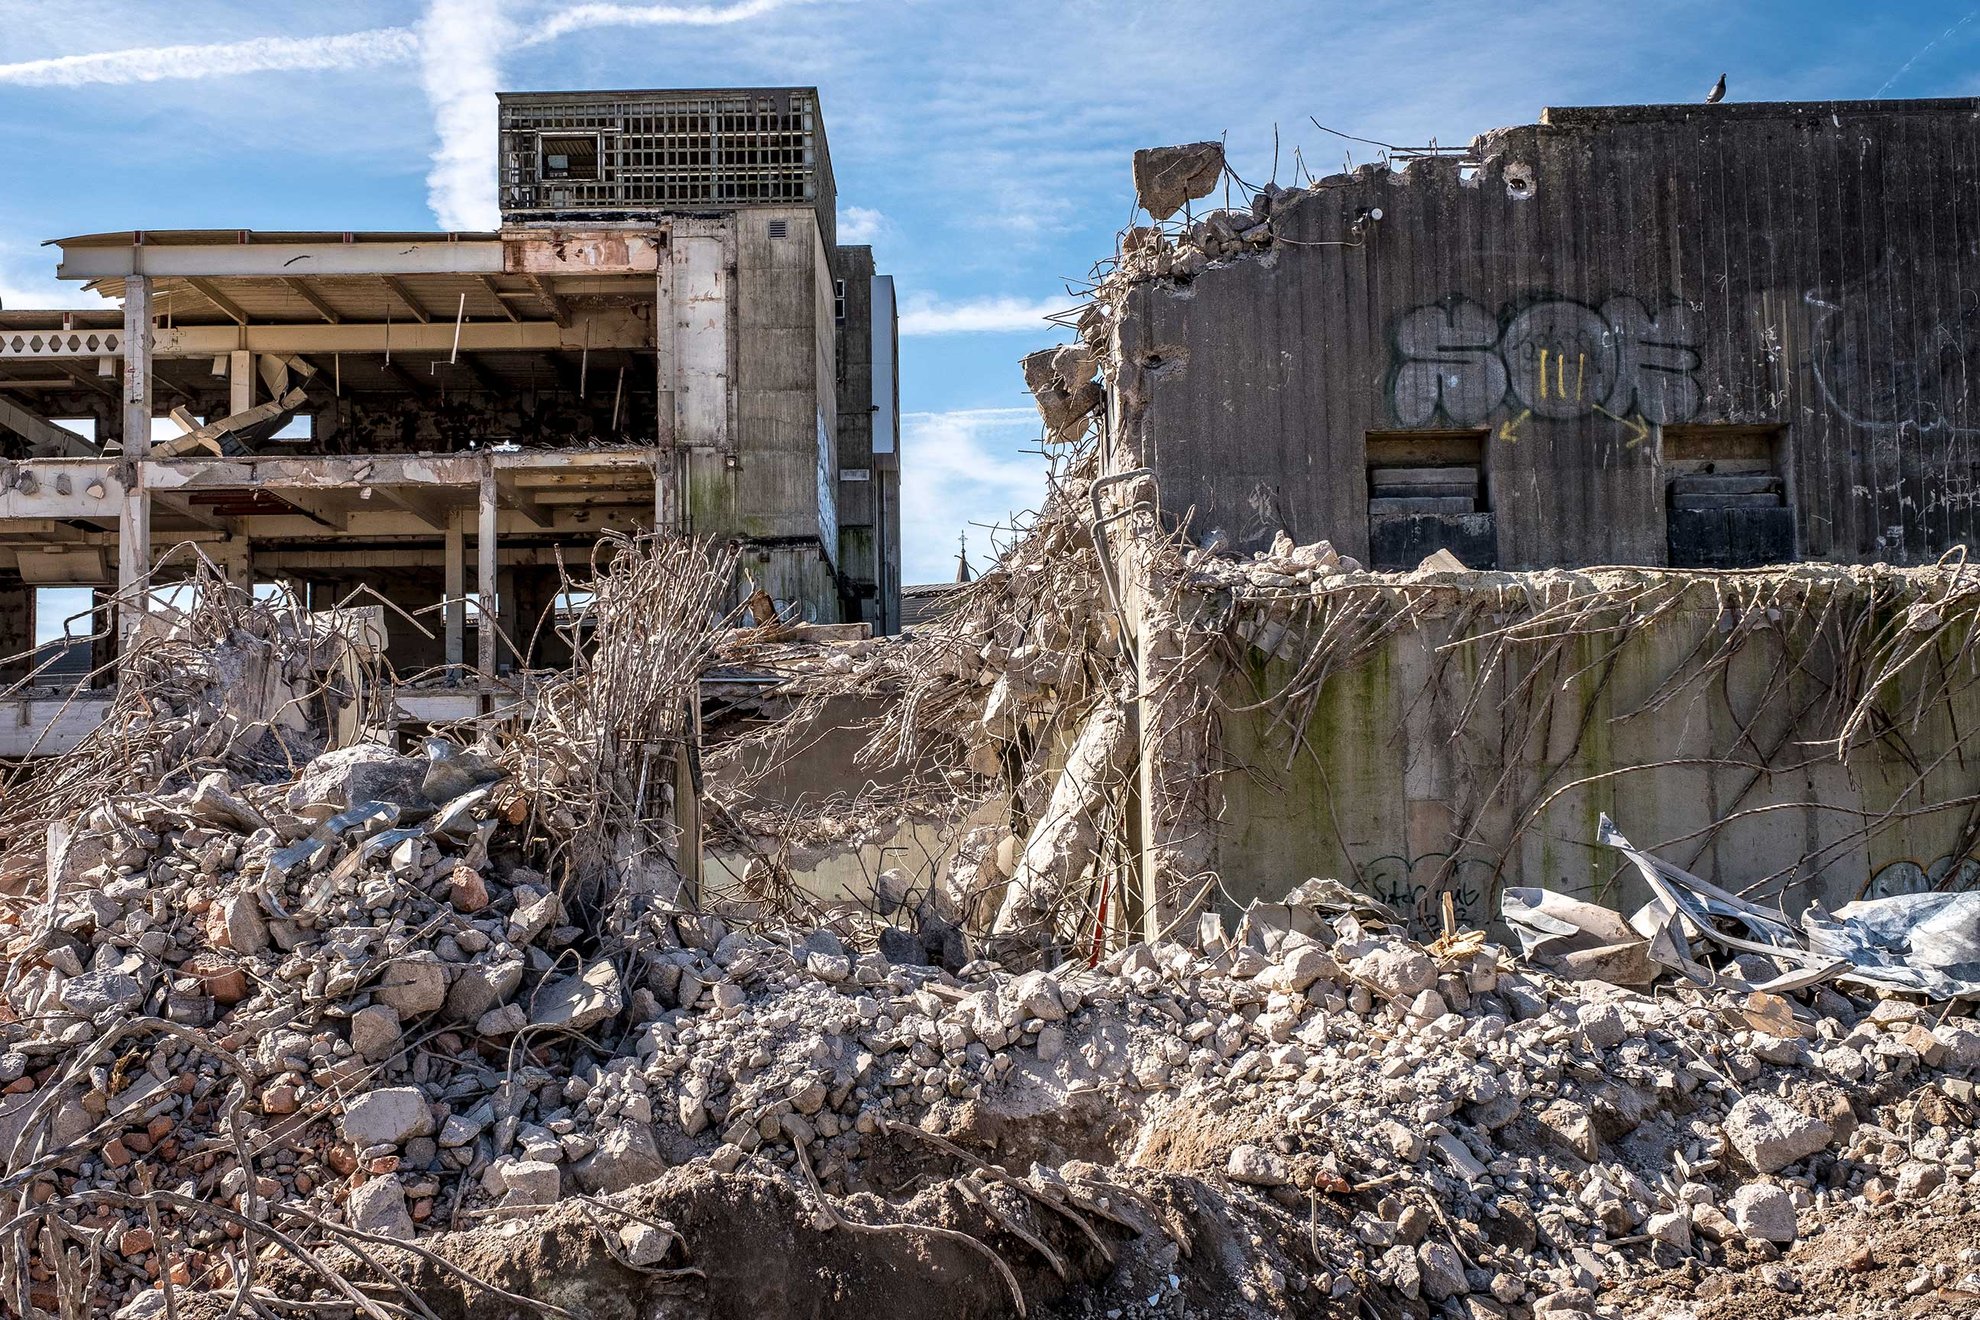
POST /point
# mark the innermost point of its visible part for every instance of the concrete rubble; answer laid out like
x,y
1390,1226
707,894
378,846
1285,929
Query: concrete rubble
x,y
1426,1128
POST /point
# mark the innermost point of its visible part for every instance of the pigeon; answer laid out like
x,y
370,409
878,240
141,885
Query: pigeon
x,y
1718,92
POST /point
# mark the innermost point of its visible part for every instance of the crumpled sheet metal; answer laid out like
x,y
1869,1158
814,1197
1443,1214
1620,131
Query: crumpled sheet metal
x,y
1925,944
1581,940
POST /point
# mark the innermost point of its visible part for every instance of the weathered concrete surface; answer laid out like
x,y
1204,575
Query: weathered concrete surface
x,y
1423,769
1588,283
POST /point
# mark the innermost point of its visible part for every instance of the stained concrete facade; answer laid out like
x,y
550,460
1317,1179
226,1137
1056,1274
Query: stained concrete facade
x,y
1437,760
869,473
1701,335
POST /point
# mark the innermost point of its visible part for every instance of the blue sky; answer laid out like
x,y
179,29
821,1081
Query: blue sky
x,y
983,148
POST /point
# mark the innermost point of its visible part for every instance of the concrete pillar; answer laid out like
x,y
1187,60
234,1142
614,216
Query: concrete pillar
x,y
134,517
455,589
240,381
485,577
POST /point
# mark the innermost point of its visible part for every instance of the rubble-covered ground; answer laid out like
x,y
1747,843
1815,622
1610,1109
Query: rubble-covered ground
x,y
446,1035
271,1044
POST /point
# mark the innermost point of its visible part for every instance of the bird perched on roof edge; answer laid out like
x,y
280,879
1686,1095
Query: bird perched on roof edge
x,y
1718,92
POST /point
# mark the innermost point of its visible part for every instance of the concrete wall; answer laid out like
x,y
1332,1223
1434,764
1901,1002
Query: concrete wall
x,y
863,540
758,364
1803,266
1429,767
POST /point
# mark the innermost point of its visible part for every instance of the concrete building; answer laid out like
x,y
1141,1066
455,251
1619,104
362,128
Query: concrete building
x,y
1694,336
663,334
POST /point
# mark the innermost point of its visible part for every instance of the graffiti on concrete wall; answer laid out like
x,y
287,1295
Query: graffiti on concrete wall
x,y
1891,363
1908,877
1412,884
1550,358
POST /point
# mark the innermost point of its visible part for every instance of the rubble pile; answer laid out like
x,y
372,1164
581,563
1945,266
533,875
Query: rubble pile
x,y
252,1007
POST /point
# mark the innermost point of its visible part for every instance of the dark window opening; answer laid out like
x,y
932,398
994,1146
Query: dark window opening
x,y
1428,491
839,301
572,156
1727,493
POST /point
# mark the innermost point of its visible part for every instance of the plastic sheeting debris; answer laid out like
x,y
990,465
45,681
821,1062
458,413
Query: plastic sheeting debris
x,y
1925,944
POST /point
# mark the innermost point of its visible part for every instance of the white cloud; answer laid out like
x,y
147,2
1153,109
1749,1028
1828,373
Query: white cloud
x,y
350,50
927,316
862,224
27,281
460,46
964,471
578,18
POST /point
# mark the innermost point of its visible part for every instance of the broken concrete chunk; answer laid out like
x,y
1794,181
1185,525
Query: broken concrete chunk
x,y
413,983
236,923
626,1157
380,1207
1396,971
214,802
388,1116
579,1002
1764,1212
647,1244
97,992
1572,1126
1257,1166
478,987
533,918
339,780
505,1020
529,1182
375,1031
1770,1134
1167,177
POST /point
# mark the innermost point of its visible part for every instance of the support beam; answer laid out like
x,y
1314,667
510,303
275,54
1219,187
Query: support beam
x,y
420,504
604,328
522,503
404,295
89,380
488,597
495,292
211,292
134,518
456,588
559,310
279,260
185,508
302,290
48,439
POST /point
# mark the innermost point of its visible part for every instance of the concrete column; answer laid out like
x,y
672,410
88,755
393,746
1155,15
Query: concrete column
x,y
484,577
455,589
134,517
240,381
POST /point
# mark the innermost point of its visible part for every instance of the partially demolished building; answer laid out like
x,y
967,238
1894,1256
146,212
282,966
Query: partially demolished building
x,y
1714,343
1117,940
665,334
1697,336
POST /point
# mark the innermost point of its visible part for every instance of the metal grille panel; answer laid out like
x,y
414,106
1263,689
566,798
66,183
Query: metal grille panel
x,y
664,150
